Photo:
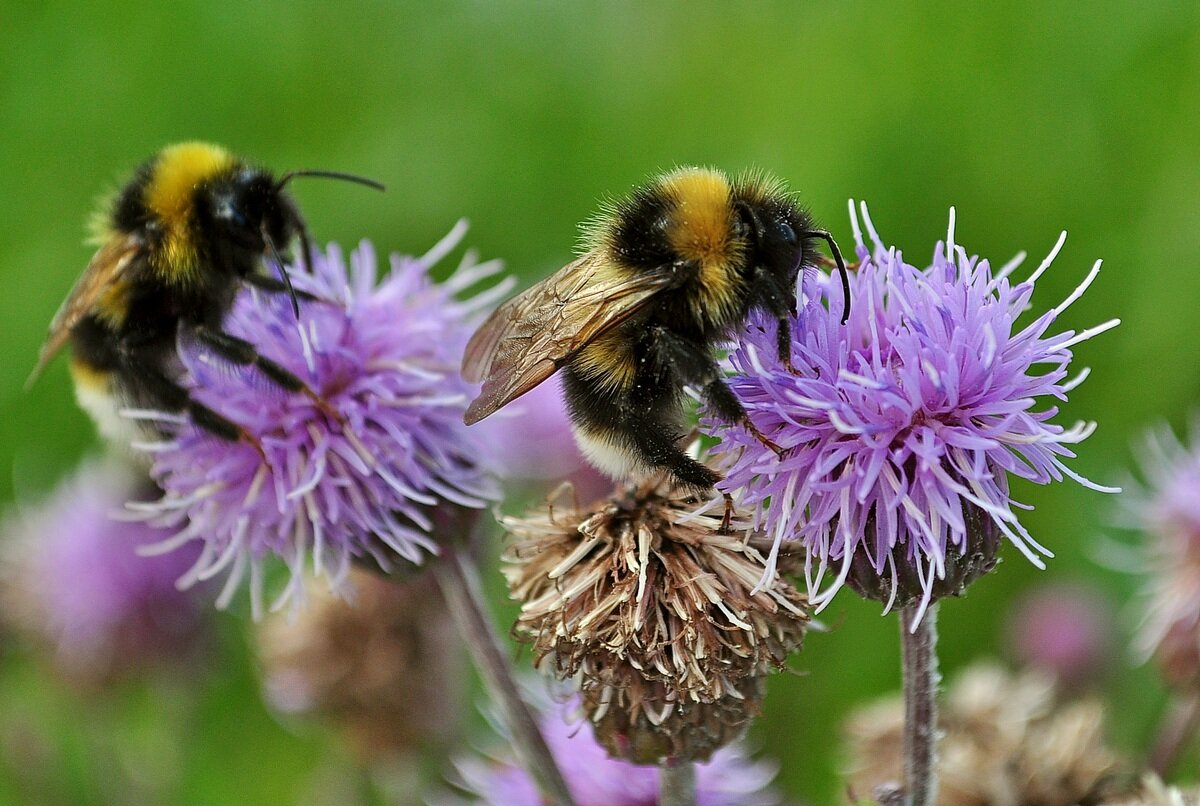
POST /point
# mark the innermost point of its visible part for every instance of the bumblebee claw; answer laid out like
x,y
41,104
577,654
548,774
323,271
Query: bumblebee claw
x,y
256,443
764,440
830,263
727,518
324,406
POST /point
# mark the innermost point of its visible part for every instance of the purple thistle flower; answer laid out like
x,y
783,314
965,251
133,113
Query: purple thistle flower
x,y
729,778
72,574
903,426
1167,511
385,355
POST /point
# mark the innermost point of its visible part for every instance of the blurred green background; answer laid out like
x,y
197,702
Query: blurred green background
x,y
1029,117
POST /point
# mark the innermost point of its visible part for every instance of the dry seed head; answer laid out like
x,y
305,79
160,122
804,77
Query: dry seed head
x,y
385,669
652,609
1006,739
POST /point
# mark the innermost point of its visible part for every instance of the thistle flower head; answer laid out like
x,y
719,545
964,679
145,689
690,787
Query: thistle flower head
x,y
1167,511
386,669
651,609
73,577
384,355
729,778
903,426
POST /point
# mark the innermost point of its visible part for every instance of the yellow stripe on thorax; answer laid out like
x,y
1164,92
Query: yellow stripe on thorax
x,y
701,232
112,305
178,170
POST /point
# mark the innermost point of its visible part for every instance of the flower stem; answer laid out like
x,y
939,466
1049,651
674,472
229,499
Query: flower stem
x,y
918,646
459,582
1177,730
677,783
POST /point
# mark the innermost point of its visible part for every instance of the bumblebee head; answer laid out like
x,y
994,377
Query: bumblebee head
x,y
774,229
781,236
248,211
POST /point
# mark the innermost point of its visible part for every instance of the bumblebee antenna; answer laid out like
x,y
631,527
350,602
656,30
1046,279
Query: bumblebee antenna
x,y
841,264
358,180
283,271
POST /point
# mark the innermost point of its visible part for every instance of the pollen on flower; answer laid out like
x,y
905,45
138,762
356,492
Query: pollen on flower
x,y
903,427
384,355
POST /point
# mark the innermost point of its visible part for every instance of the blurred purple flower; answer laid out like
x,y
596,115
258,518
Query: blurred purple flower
x,y
1066,629
74,576
900,422
385,355
531,437
730,778
1167,511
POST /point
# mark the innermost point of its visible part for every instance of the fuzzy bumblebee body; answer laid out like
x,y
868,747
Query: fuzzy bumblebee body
x,y
175,245
669,272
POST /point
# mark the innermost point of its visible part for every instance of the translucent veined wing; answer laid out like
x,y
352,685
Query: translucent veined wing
x,y
533,334
106,268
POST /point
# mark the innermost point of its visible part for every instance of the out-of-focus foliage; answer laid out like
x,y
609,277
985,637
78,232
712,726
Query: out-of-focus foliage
x,y
1029,117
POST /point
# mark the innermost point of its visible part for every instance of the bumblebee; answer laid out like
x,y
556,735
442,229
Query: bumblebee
x,y
175,246
668,274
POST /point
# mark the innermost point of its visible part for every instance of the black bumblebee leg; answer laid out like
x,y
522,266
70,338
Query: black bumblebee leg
x,y
695,366
783,343
241,352
780,303
720,397
657,446
168,394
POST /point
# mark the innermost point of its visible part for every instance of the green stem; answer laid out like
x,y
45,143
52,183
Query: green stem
x,y
677,783
459,582
918,644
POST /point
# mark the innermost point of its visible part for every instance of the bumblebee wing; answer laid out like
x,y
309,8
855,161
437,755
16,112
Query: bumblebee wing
x,y
529,337
111,261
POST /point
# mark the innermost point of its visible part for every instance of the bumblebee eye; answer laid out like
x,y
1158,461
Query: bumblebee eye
x,y
786,233
228,209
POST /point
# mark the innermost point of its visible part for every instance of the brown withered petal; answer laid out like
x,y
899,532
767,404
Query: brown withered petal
x,y
1006,740
385,670
651,610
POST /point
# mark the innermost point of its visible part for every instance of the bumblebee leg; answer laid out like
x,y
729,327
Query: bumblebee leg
x,y
656,445
718,395
168,394
780,302
783,342
695,366
727,518
242,352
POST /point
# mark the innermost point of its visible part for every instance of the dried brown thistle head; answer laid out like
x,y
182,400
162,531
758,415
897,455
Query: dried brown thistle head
x,y
386,669
1006,739
653,610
